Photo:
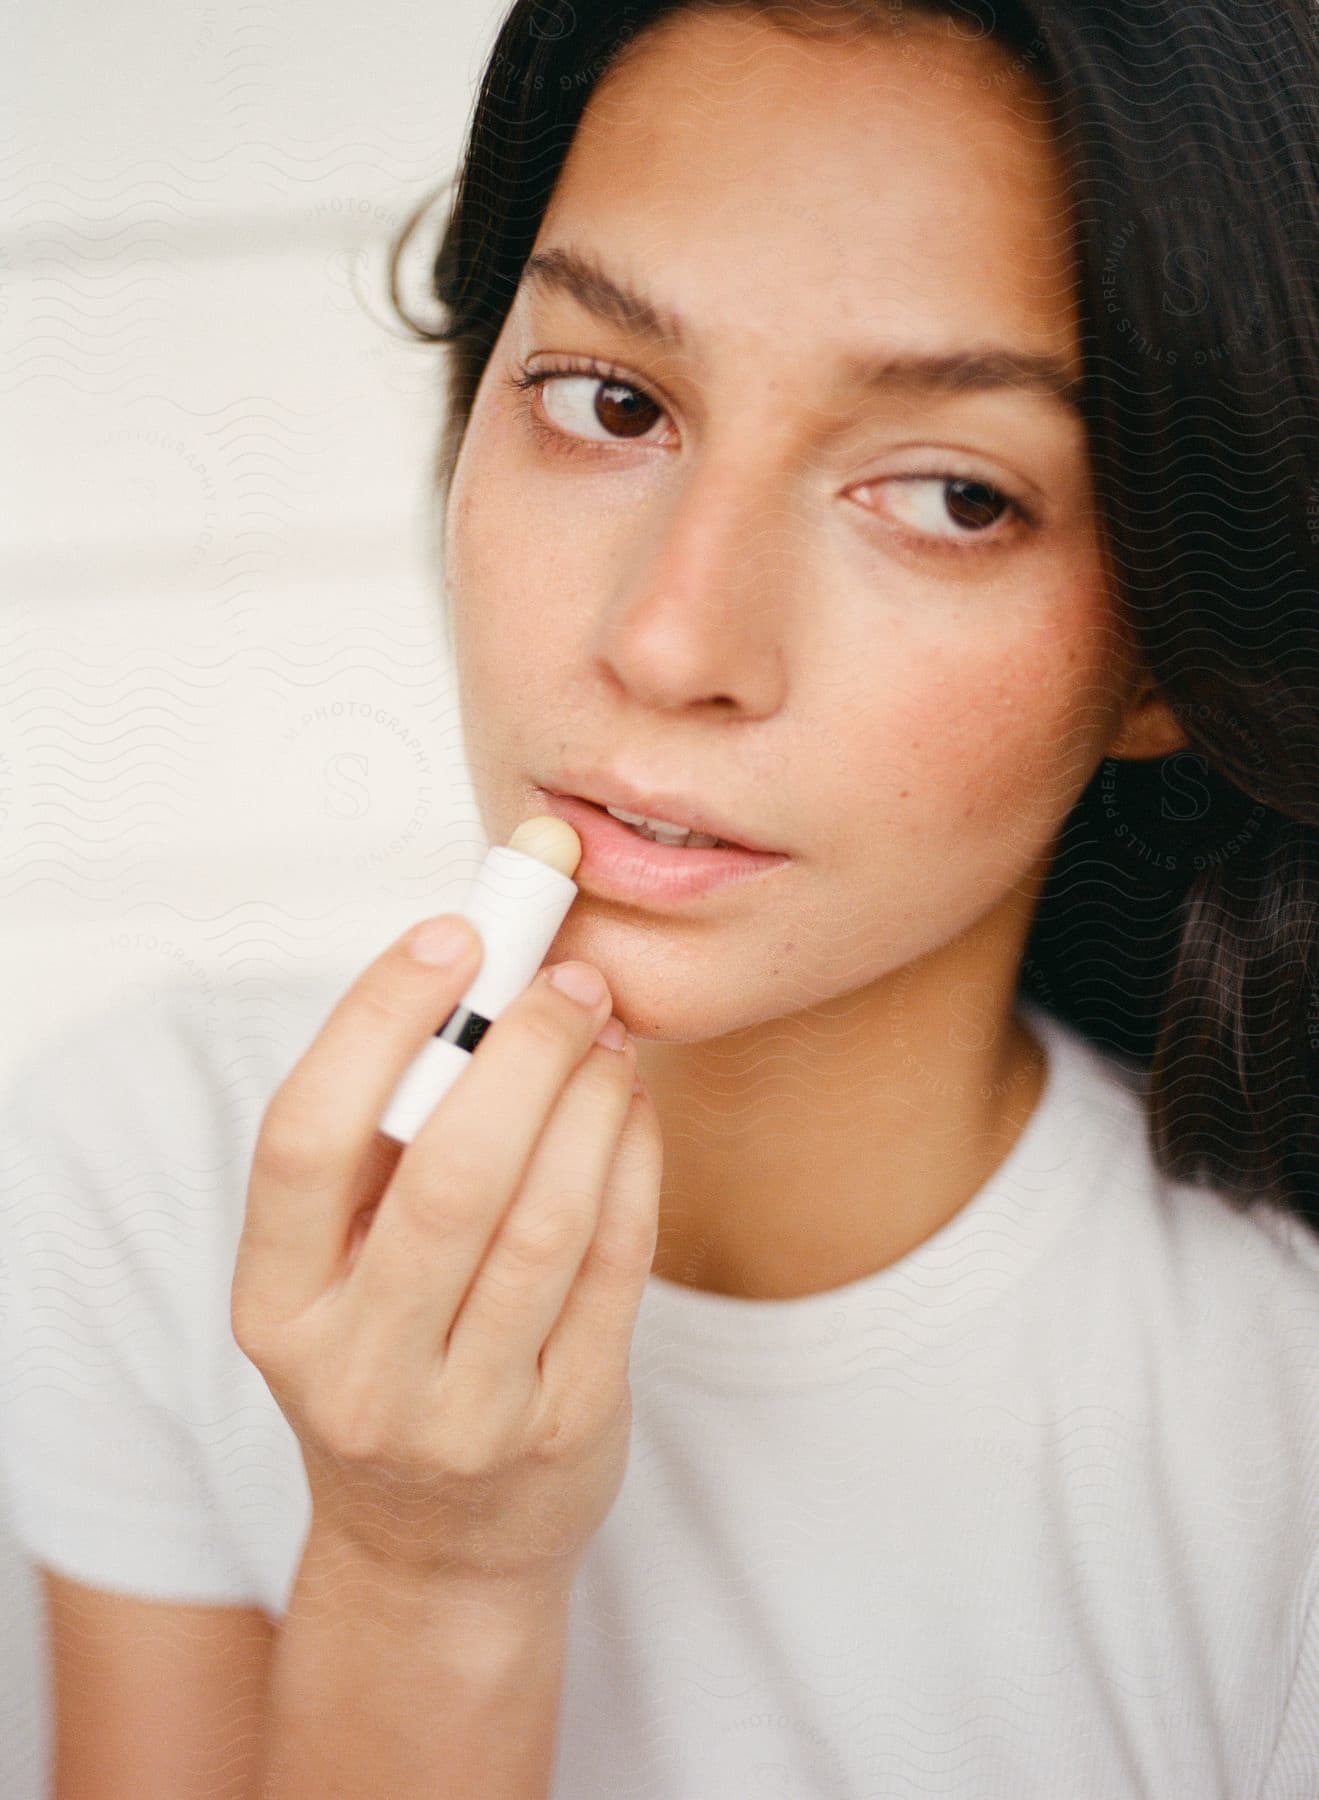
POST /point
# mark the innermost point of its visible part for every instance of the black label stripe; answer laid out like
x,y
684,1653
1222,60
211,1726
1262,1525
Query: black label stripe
x,y
464,1028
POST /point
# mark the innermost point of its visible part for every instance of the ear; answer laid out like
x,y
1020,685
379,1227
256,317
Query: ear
x,y
1148,728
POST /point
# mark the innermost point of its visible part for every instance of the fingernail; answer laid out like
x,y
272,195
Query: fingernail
x,y
613,1034
440,942
580,982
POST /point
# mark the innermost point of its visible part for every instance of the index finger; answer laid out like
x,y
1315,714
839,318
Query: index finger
x,y
322,1118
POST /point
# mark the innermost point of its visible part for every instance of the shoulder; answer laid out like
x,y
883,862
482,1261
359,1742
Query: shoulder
x,y
1096,1119
175,1075
1221,1282
1249,1269
1209,1230
126,1142
1198,1311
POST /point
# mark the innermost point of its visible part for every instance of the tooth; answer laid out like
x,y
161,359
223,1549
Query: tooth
x,y
661,827
690,840
659,831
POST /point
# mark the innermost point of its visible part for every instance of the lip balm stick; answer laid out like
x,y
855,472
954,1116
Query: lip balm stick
x,y
517,902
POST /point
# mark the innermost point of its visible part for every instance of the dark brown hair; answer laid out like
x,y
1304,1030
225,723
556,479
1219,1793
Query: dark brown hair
x,y
1180,923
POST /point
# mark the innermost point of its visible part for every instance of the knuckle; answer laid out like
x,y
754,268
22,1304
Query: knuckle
x,y
566,1431
625,1253
267,1343
381,1004
359,1423
443,1209
471,1454
245,1327
461,1172
446,922
543,1238
289,1147
545,1025
473,1436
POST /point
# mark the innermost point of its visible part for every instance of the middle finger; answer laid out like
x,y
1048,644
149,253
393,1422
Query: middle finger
x,y
455,1180
518,1292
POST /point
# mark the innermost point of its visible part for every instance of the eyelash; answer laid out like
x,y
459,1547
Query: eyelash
x,y
525,381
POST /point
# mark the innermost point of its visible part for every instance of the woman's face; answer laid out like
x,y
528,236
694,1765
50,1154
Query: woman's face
x,y
866,618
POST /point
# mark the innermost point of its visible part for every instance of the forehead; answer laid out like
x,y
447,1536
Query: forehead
x,y
776,188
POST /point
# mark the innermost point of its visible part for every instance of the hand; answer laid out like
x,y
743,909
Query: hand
x,y
446,1325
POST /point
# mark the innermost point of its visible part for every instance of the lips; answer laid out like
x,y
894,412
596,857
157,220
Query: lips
x,y
618,864
672,807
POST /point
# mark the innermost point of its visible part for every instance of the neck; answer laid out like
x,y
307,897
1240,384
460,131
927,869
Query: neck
x,y
806,1152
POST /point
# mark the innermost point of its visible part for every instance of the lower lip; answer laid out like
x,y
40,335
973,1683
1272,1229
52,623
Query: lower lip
x,y
617,864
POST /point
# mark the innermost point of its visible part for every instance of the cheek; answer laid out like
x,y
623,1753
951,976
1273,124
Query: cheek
x,y
493,571
480,519
987,745
516,557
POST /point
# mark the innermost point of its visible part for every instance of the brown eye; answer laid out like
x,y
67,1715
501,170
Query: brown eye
x,y
584,406
974,504
950,509
624,411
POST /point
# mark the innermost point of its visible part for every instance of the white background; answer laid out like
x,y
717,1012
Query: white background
x,y
229,730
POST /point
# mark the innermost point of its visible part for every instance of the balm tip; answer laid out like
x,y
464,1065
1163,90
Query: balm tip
x,y
551,841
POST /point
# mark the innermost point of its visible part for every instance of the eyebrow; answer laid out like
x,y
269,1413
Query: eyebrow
x,y
975,369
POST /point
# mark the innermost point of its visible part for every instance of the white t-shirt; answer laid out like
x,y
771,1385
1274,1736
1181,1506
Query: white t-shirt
x,y
1032,1512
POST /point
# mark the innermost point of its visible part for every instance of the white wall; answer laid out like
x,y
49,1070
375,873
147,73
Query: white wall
x,y
228,723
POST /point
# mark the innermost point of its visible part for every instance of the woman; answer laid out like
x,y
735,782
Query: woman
x,y
883,436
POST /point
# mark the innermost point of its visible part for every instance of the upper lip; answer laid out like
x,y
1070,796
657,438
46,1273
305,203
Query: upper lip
x,y
667,804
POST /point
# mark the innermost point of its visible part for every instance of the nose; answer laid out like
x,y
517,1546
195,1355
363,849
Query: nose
x,y
701,614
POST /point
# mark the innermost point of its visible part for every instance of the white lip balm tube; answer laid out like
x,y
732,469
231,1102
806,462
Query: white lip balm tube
x,y
517,902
